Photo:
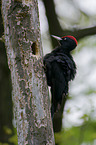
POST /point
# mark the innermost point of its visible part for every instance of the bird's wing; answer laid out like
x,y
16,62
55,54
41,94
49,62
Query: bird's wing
x,y
67,64
59,85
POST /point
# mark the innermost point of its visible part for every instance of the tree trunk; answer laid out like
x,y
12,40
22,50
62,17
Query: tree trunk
x,y
24,52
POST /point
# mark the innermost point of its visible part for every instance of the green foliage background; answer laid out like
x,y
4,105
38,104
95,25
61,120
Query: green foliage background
x,y
84,134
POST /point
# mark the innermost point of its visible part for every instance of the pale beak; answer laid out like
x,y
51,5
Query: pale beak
x,y
56,37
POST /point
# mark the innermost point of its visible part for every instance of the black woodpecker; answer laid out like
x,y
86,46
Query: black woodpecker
x,y
60,68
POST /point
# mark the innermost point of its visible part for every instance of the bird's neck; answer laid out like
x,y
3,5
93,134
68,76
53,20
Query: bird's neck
x,y
62,49
65,50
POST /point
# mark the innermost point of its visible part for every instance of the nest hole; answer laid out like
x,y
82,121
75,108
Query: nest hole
x,y
34,48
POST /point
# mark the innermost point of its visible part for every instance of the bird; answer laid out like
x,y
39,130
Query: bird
x,y
60,69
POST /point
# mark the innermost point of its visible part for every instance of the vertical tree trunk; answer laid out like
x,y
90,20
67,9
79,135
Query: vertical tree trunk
x,y
24,52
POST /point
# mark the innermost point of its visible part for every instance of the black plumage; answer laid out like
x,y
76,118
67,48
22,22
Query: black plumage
x,y
60,68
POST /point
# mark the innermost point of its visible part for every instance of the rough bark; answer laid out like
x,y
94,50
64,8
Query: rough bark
x,y
24,52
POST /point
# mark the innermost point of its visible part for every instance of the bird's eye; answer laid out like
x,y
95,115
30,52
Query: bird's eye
x,y
64,38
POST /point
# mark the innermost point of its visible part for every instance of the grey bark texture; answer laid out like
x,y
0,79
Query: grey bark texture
x,y
30,92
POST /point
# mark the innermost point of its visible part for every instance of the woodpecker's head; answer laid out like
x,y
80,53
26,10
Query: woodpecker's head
x,y
67,42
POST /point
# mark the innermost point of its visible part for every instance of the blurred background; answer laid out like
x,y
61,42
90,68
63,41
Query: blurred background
x,y
76,125
77,18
